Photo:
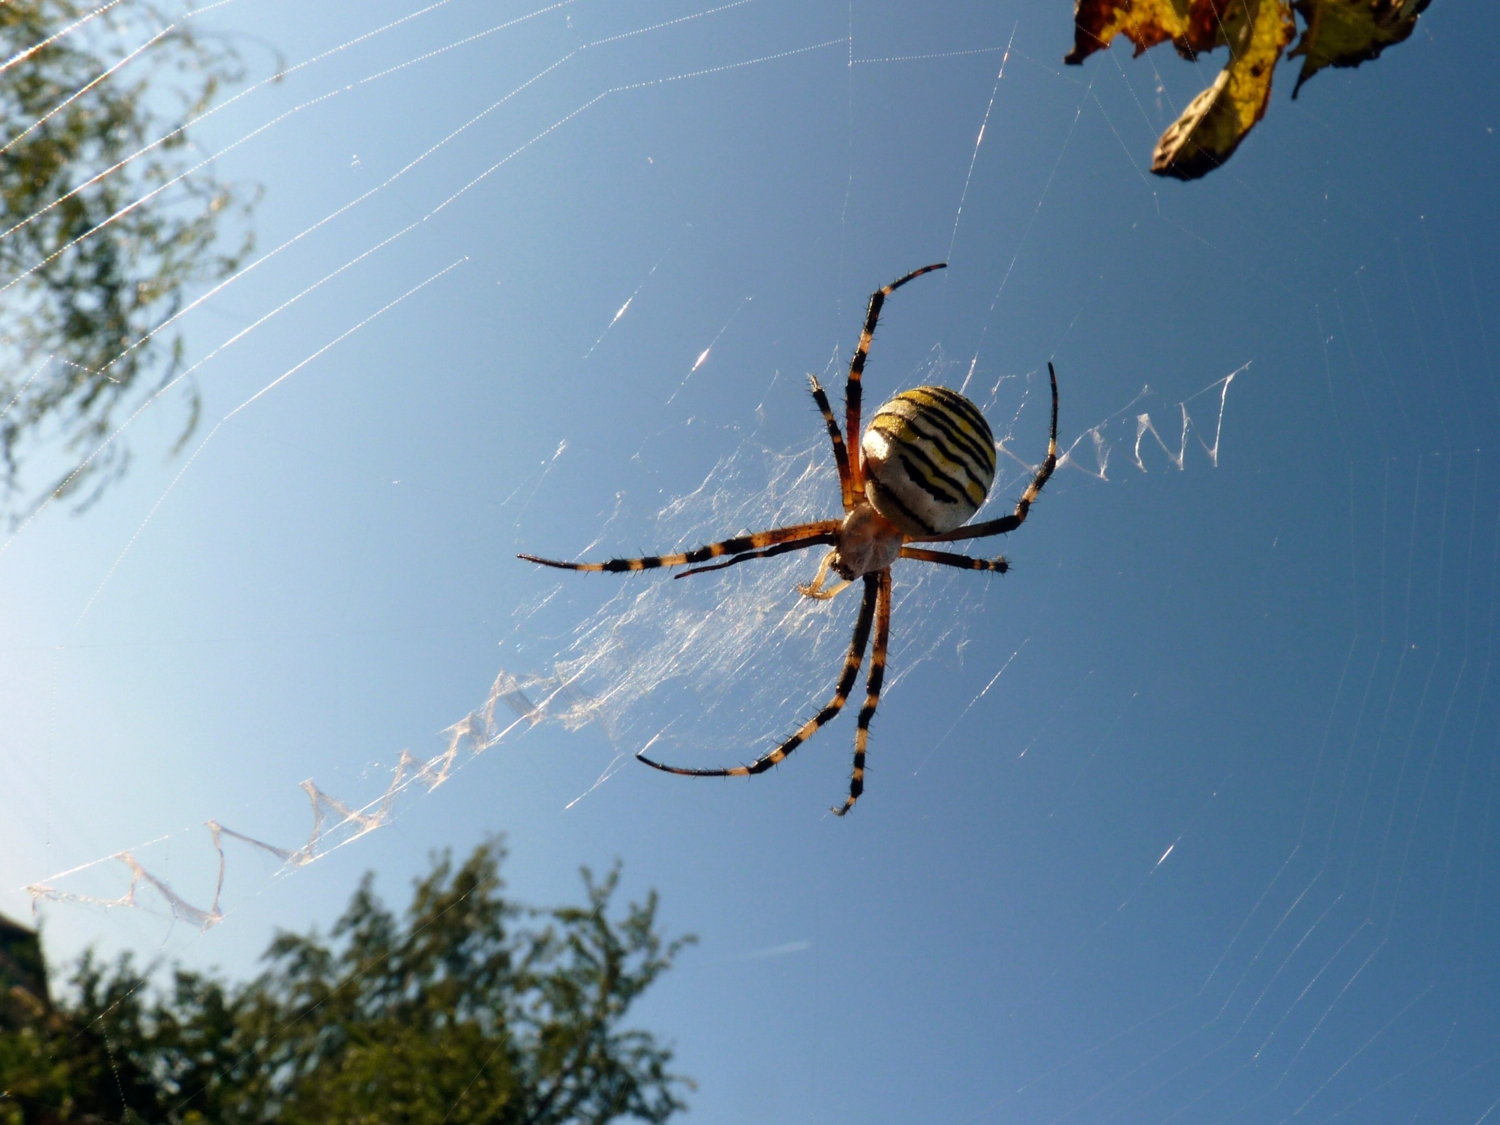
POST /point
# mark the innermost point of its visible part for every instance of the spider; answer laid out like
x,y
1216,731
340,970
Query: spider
x,y
927,466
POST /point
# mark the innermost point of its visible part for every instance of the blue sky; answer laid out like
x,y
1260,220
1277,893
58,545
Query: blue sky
x,y
1186,817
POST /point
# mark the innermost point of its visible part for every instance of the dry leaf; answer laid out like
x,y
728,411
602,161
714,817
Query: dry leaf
x,y
1217,120
1144,22
1347,32
1337,33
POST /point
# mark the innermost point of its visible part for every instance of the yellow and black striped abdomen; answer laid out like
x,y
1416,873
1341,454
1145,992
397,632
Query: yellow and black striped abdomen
x,y
929,460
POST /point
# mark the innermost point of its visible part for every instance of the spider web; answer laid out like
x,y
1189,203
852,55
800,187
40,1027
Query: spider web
x,y
712,653
645,653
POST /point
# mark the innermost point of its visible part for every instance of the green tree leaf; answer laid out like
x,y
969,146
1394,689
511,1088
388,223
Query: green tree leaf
x,y
467,1009
105,222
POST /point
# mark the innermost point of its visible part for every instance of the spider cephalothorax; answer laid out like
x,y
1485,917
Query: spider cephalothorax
x,y
924,467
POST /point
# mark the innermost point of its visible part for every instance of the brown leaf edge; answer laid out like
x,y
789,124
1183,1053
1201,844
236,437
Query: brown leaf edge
x,y
1144,22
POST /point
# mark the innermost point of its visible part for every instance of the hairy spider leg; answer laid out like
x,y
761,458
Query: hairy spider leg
x,y
840,453
850,673
853,388
801,533
766,553
963,562
873,681
1023,505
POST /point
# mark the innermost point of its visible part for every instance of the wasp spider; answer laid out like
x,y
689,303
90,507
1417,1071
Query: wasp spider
x,y
927,466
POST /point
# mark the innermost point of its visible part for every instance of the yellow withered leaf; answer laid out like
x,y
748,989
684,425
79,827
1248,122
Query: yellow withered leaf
x,y
1347,32
1217,120
1336,33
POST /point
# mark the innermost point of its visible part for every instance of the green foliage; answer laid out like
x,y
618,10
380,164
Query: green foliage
x,y
468,1009
105,220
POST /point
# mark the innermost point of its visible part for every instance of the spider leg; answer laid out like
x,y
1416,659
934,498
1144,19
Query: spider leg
x,y
814,589
825,595
764,553
810,532
852,663
873,682
853,388
1023,505
840,452
964,562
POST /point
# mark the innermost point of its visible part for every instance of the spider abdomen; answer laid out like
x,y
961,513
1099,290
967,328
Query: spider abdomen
x,y
929,460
